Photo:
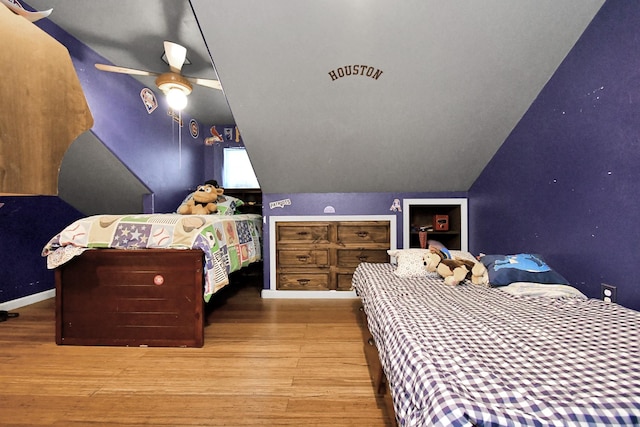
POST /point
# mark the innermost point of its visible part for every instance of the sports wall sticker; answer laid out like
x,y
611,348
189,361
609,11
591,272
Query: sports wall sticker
x,y
355,70
176,115
149,100
223,133
194,128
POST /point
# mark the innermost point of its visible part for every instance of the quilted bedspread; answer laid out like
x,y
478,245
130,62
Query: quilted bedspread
x,y
229,242
471,355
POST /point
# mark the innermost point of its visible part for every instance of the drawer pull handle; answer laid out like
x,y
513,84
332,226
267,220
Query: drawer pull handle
x,y
303,258
362,234
303,233
362,258
303,282
371,342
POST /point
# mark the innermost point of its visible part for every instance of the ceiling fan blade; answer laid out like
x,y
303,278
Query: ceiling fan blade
x,y
213,84
30,16
123,70
176,55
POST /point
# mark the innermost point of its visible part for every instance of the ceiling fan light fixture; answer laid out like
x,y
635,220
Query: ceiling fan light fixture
x,y
176,88
177,99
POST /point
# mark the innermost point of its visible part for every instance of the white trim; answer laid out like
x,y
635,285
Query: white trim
x,y
272,292
464,218
28,300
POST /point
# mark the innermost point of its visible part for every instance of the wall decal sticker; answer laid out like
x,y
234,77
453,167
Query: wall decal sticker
x,y
279,203
329,209
148,99
176,115
194,128
355,70
395,206
216,136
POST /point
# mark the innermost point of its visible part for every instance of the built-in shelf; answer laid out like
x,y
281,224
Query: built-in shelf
x,y
417,213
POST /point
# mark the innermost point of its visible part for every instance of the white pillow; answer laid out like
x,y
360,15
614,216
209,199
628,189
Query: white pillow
x,y
410,262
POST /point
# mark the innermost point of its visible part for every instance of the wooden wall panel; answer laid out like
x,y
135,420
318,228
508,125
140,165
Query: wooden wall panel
x,y
44,108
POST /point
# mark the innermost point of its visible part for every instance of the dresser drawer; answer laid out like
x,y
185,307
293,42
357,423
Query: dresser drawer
x,y
317,281
359,233
303,258
344,281
296,232
353,257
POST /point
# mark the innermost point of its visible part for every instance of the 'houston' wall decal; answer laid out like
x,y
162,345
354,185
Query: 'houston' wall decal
x,y
355,70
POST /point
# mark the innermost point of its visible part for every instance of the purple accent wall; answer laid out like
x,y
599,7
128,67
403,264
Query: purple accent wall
x,y
160,153
26,225
300,204
566,183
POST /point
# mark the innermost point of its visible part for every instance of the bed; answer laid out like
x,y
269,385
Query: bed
x,y
144,279
472,355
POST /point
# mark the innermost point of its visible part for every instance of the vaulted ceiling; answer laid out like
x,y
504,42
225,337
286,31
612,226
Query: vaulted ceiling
x,y
445,83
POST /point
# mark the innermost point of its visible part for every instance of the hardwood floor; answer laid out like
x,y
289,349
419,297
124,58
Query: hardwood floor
x,y
264,363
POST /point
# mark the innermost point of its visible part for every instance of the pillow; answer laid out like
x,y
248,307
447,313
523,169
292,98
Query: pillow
x,y
506,269
410,262
229,205
547,290
462,255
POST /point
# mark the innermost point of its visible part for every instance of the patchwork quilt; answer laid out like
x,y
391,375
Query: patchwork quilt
x,y
470,355
229,242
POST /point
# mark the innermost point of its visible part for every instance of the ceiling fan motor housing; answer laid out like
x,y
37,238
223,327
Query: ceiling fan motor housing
x,y
168,81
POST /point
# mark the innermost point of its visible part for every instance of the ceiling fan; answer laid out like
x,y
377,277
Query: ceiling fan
x,y
18,9
172,83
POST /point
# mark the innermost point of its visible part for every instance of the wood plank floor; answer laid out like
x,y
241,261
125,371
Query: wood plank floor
x,y
264,363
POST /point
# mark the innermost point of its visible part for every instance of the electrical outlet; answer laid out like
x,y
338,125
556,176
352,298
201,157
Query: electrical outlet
x,y
608,292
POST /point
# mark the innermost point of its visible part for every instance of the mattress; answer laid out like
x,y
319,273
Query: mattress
x,y
473,355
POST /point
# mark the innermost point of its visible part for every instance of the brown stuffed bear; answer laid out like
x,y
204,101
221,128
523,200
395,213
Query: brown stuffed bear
x,y
203,201
453,271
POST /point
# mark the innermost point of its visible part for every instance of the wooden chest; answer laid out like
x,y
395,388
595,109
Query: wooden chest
x,y
147,297
322,255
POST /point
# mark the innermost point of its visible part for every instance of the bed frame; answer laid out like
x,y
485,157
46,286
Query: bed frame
x,y
376,373
147,297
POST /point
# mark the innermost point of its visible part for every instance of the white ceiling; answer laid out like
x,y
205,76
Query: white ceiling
x,y
456,78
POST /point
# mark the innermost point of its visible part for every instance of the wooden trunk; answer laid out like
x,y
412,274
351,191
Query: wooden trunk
x,y
147,297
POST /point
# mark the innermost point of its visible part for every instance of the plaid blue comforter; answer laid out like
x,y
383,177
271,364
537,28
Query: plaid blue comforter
x,y
471,355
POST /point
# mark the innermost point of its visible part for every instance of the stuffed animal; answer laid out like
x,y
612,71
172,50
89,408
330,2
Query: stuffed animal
x,y
453,270
480,274
203,200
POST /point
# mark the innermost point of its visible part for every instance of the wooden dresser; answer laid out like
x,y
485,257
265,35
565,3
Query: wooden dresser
x,y
322,255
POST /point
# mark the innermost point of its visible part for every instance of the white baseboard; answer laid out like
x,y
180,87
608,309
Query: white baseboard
x,y
28,300
270,293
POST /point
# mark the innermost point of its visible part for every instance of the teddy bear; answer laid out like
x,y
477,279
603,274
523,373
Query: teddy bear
x,y
453,270
203,200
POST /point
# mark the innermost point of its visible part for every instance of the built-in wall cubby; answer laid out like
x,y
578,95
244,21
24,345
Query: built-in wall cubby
x,y
444,220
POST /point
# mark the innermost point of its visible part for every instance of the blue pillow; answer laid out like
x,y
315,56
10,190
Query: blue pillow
x,y
506,269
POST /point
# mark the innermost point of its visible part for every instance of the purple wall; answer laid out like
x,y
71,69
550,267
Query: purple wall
x,y
160,153
566,183
23,234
